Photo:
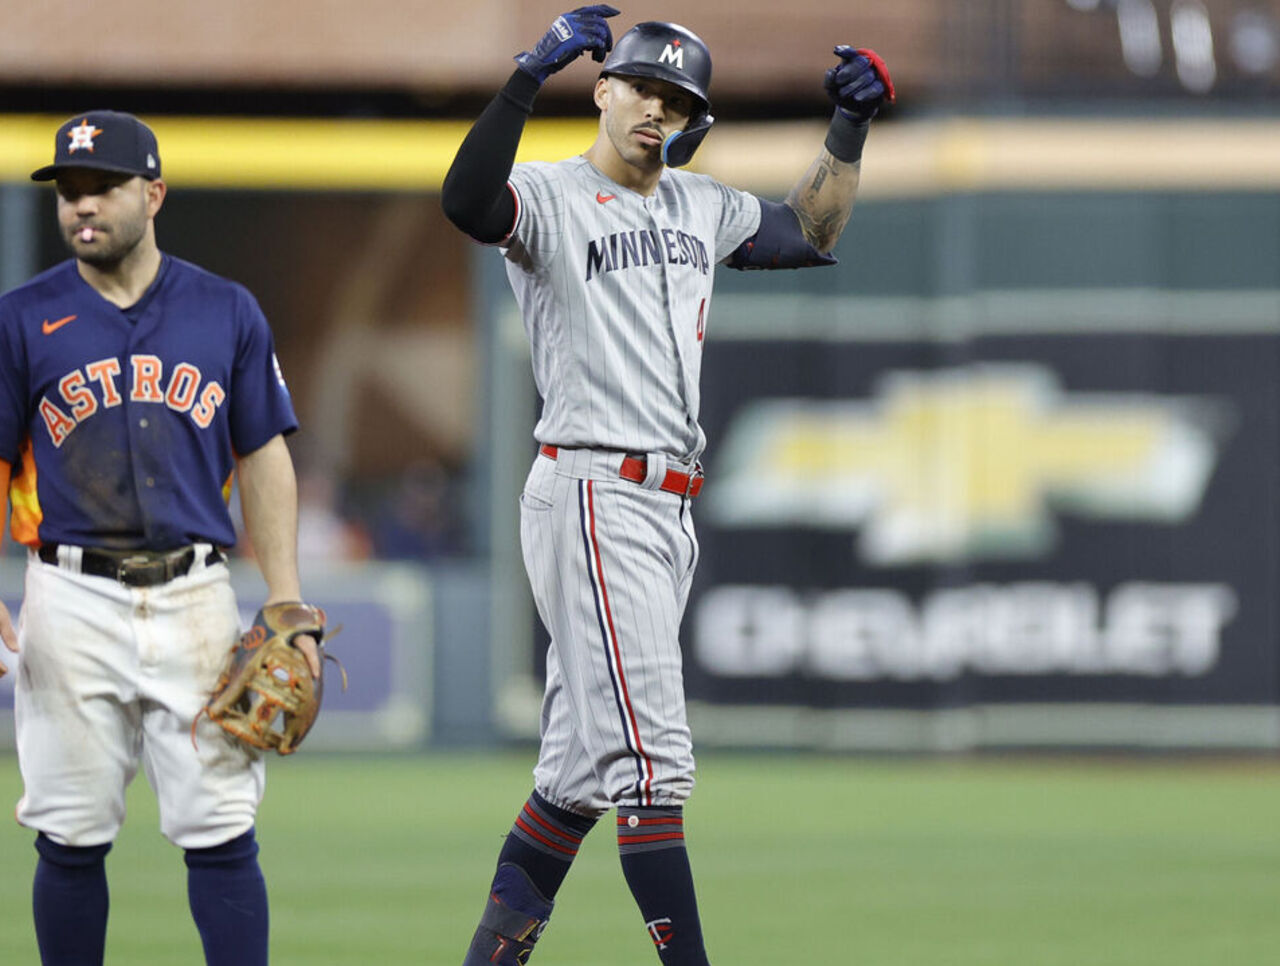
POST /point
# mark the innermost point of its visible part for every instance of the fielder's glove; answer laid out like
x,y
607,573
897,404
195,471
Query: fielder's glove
x,y
569,36
860,84
266,695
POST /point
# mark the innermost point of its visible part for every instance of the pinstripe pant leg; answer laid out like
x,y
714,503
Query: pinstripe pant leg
x,y
610,566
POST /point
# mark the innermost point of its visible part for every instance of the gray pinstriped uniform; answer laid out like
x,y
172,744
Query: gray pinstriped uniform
x,y
615,291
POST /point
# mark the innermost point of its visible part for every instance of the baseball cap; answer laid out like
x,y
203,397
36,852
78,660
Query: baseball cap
x,y
106,140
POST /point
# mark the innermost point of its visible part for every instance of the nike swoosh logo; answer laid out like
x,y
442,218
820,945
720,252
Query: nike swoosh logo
x,y
602,198
50,327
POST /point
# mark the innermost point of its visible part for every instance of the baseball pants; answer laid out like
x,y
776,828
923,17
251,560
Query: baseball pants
x,y
610,563
112,675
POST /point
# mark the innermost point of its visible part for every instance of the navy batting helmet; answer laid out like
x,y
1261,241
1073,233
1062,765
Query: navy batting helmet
x,y
669,52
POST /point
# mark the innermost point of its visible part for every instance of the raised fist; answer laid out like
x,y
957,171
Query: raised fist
x,y
859,84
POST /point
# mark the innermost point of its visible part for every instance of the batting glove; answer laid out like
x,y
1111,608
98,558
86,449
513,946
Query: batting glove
x,y
569,36
860,84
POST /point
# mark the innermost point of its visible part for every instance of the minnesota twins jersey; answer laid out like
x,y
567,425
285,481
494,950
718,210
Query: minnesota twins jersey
x,y
615,291
122,426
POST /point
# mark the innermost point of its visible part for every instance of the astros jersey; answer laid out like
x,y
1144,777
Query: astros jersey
x,y
615,289
122,426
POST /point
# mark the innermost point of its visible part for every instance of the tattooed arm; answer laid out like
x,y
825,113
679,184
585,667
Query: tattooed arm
x,y
823,199
802,230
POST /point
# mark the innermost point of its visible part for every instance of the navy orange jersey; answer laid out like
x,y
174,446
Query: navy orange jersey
x,y
122,425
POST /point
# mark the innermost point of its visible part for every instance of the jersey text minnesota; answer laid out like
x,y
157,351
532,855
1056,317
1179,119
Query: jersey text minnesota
x,y
645,246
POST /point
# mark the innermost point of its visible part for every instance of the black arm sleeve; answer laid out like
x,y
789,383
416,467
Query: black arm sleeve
x,y
475,195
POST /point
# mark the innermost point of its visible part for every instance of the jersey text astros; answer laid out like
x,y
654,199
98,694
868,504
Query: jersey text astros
x,y
83,391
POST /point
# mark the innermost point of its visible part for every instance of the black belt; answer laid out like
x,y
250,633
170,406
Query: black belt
x,y
134,568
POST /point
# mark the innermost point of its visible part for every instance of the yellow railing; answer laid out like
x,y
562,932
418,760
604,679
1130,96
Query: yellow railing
x,y
903,159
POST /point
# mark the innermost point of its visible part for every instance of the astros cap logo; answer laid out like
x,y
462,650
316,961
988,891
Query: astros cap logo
x,y
82,136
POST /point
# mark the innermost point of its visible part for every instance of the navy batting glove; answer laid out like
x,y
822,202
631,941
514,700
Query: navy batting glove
x,y
572,33
860,84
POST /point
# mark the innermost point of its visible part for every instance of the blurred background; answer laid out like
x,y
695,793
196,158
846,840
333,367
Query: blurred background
x,y
1004,478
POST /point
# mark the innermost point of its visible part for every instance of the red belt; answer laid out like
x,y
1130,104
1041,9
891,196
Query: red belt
x,y
635,469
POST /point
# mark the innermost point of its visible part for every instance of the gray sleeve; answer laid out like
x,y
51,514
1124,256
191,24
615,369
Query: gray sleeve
x,y
739,219
540,214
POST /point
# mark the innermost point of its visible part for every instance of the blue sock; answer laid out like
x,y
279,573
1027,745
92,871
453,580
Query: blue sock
x,y
69,899
228,898
656,865
532,865
544,842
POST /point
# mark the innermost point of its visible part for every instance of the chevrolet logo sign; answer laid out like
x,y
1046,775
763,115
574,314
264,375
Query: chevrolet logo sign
x,y
965,463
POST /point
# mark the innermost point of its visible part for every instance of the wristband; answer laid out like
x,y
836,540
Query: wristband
x,y
846,136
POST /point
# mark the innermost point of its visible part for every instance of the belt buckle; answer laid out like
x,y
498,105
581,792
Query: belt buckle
x,y
142,571
694,475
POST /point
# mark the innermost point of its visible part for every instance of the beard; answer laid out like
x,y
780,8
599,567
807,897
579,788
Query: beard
x,y
109,247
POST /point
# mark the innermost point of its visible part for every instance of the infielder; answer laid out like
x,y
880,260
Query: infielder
x,y
611,255
134,386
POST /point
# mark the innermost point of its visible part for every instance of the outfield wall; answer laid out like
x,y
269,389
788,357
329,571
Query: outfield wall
x,y
1018,489
1004,478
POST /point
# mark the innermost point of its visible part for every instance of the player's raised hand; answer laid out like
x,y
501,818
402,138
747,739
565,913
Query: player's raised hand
x,y
860,83
8,635
572,33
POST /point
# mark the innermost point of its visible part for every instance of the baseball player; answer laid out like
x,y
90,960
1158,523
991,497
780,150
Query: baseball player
x,y
611,256
134,386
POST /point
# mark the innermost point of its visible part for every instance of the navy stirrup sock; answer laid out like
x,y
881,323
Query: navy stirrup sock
x,y
656,866
532,865
70,900
228,898
544,841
